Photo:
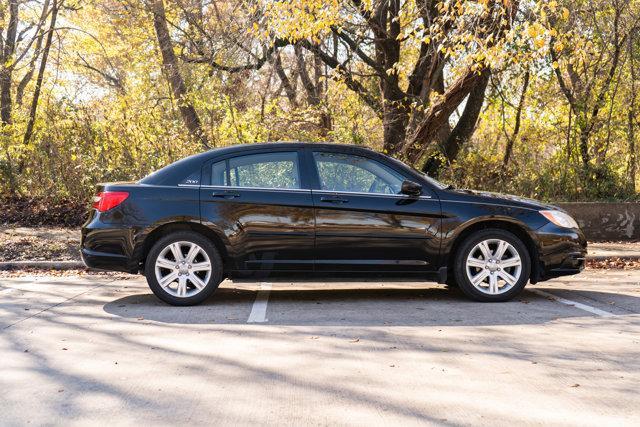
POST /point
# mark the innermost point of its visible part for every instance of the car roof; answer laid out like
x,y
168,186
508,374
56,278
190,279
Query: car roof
x,y
288,144
178,170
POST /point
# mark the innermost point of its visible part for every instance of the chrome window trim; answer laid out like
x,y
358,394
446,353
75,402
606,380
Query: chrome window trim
x,y
357,193
231,187
304,190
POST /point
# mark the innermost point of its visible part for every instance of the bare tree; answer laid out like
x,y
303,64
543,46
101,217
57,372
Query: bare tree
x,y
374,40
586,90
632,113
516,127
55,7
172,70
40,33
7,60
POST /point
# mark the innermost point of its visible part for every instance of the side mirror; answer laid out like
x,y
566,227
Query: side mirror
x,y
411,188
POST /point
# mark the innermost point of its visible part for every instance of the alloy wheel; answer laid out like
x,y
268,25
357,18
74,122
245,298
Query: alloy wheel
x,y
493,266
183,269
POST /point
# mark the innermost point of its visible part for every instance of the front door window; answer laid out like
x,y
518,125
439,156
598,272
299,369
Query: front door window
x,y
355,174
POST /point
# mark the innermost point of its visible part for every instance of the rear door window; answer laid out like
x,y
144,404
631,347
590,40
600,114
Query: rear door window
x,y
278,170
219,173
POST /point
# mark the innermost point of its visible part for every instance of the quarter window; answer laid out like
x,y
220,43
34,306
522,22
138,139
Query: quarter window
x,y
347,173
219,173
267,170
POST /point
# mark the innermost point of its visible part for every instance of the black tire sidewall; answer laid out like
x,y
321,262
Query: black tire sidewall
x,y
206,245
463,252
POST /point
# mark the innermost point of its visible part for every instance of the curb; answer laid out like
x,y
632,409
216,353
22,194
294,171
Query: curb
x,y
613,257
79,265
44,265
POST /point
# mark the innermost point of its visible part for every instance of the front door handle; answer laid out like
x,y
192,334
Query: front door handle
x,y
225,194
333,199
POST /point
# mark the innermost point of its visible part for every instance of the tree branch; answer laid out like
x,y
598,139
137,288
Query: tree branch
x,y
347,77
237,68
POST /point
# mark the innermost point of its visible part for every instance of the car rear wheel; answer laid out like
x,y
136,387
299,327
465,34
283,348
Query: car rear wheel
x,y
183,268
492,265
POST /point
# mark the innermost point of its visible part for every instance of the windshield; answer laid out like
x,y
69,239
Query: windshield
x,y
431,181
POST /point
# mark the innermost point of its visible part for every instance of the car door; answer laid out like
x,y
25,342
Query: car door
x,y
363,223
259,203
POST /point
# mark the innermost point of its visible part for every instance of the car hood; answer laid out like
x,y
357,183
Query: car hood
x,y
507,199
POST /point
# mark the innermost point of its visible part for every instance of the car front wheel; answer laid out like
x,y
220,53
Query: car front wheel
x,y
183,268
492,265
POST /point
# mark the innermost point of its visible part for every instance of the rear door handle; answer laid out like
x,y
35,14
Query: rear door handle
x,y
225,194
333,199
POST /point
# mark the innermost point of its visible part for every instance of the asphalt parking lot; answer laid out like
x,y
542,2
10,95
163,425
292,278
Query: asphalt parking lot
x,y
103,350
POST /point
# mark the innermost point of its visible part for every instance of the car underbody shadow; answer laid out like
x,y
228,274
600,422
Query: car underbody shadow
x,y
358,304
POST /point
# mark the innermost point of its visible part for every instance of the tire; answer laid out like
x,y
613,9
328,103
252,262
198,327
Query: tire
x,y
186,281
497,279
451,282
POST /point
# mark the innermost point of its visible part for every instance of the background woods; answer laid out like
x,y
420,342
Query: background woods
x,y
533,98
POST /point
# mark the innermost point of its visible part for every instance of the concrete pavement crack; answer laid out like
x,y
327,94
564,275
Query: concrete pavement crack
x,y
58,304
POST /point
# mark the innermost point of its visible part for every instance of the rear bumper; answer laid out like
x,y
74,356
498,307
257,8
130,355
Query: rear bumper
x,y
561,252
109,246
107,261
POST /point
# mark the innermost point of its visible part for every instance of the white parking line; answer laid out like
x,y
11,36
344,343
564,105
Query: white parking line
x,y
259,309
575,304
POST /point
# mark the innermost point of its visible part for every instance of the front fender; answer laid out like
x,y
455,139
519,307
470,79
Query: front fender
x,y
460,219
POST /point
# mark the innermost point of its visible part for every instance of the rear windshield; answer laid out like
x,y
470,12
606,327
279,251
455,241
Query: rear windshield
x,y
185,171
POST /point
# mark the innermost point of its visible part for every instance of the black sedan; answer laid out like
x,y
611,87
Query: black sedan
x,y
322,209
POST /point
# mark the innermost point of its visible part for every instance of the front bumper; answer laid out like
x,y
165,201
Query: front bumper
x,y
561,252
574,263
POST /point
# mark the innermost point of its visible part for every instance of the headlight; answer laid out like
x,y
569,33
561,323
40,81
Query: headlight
x,y
560,219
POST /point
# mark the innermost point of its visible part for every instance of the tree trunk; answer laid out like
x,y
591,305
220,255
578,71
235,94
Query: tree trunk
x,y
170,65
289,90
5,96
516,127
631,121
585,133
43,65
395,117
467,122
631,168
464,128
7,66
326,122
438,116
313,88
36,54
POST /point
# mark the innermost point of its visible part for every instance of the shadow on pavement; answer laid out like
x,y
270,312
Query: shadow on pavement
x,y
433,306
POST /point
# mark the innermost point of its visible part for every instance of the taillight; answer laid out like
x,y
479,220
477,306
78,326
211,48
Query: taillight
x,y
106,200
